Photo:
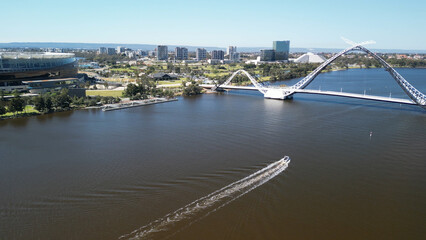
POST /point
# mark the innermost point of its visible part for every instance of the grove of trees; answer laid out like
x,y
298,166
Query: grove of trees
x,y
145,88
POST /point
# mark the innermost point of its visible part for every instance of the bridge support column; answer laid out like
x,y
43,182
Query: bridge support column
x,y
278,94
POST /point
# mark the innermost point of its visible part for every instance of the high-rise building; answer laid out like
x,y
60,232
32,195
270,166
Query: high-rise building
x,y
230,50
162,52
181,53
130,54
102,50
201,54
142,53
152,53
218,55
282,49
110,51
267,55
234,56
121,49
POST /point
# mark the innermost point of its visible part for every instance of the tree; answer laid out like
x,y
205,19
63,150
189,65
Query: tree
x,y
16,93
77,101
249,66
170,67
168,94
150,70
17,104
90,102
108,100
2,95
177,69
192,89
131,90
62,100
2,109
48,105
39,103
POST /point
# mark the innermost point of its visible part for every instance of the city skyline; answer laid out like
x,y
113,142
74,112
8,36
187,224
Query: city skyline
x,y
308,24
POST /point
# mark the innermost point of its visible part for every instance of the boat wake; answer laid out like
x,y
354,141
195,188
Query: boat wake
x,y
210,203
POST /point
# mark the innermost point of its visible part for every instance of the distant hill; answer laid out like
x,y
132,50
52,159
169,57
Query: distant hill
x,y
149,47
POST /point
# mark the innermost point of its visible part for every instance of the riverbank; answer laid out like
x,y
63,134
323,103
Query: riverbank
x,y
135,103
30,111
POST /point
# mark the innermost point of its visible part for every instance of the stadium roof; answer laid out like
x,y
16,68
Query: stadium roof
x,y
34,55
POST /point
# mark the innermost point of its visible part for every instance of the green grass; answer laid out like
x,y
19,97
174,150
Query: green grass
x,y
122,70
104,93
234,68
215,75
28,109
170,86
169,82
267,78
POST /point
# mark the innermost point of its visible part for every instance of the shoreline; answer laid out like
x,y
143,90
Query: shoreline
x,y
33,114
135,103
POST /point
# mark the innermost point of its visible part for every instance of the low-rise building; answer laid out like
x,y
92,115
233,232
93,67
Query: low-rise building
x,y
267,55
164,76
214,61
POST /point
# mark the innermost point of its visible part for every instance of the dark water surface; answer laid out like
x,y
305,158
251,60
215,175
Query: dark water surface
x,y
99,175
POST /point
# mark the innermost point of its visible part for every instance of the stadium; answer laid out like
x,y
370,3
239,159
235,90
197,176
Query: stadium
x,y
19,69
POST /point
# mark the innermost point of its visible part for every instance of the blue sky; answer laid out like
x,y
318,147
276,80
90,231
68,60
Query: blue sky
x,y
306,23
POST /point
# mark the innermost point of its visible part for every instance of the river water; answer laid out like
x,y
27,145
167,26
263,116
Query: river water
x,y
90,174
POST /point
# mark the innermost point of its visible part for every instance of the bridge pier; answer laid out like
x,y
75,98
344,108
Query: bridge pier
x,y
281,94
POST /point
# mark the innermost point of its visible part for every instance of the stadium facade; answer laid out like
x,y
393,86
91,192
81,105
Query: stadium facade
x,y
19,68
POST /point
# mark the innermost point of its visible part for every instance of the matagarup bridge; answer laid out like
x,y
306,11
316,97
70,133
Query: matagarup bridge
x,y
416,97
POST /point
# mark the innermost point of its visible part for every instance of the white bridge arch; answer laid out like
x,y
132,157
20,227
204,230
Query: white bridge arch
x,y
415,95
255,83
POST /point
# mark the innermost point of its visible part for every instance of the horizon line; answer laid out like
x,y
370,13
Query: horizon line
x,y
185,45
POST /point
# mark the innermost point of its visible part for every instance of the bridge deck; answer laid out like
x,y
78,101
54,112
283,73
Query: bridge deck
x,y
329,93
209,86
356,95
